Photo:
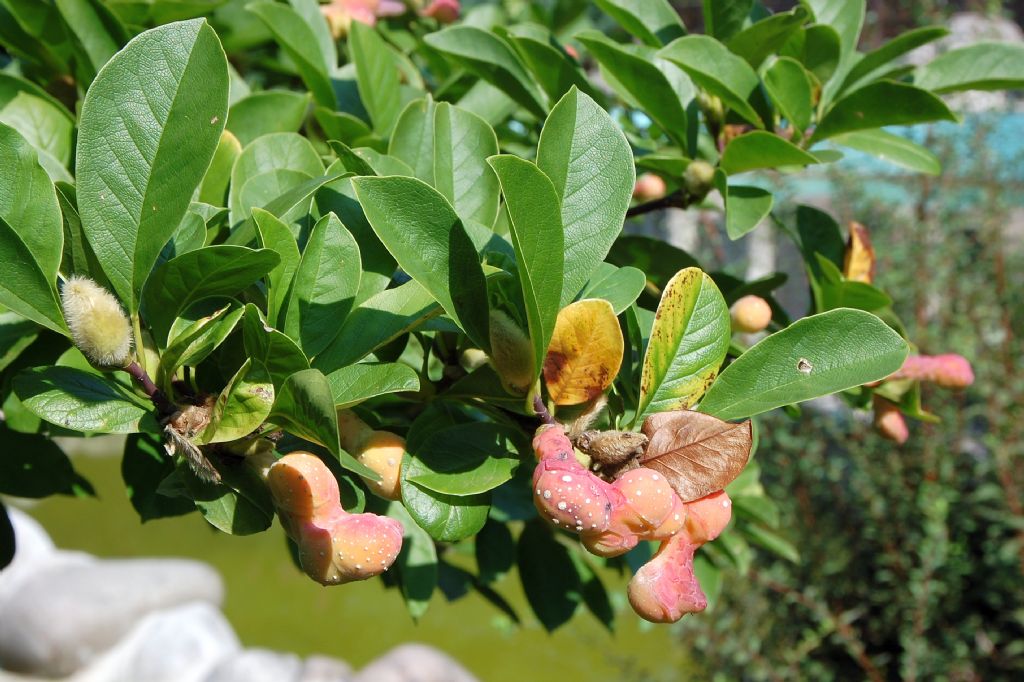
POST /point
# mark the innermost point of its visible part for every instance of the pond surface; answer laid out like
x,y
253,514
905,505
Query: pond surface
x,y
270,604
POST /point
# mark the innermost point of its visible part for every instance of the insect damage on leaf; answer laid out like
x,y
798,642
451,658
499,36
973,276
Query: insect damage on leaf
x,y
697,453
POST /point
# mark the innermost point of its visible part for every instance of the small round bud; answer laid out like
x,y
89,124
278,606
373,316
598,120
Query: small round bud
x,y
750,314
648,187
889,421
712,108
445,11
511,354
99,327
698,178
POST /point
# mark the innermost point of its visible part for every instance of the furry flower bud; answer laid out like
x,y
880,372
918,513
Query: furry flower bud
x,y
99,327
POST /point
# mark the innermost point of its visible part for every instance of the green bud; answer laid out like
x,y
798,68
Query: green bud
x,y
698,178
511,354
99,327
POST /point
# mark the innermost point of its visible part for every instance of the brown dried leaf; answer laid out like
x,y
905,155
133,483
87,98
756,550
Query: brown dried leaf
x,y
697,453
859,264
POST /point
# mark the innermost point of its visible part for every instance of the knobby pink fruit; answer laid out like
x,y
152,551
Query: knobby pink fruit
x,y
707,517
335,547
889,421
949,370
565,492
665,588
646,508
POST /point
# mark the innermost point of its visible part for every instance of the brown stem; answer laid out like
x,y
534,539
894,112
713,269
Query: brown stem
x,y
160,401
542,411
674,200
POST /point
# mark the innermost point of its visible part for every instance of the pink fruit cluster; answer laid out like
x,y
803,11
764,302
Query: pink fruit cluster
x,y
612,518
335,547
949,370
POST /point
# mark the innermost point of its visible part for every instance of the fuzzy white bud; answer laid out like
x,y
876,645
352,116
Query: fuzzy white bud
x,y
99,327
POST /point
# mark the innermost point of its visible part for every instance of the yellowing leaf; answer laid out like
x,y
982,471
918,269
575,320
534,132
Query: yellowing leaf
x,y
859,264
585,352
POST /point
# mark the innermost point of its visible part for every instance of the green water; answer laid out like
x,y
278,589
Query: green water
x,y
271,605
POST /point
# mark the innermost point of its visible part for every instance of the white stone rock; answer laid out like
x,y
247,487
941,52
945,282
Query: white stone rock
x,y
325,669
182,644
257,665
414,663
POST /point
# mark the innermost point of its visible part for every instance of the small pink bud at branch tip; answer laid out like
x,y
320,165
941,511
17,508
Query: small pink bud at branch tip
x,y
444,11
949,370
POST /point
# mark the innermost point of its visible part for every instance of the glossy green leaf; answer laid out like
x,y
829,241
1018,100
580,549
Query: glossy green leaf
x,y
324,287
196,341
413,138
789,87
892,148
214,187
426,237
82,401
462,143
713,67
688,343
490,58
761,149
270,154
144,465
23,286
356,383
537,236
271,348
221,270
33,466
547,60
818,48
815,356
725,18
46,127
466,459
302,46
305,408
638,75
376,76
150,125
618,286
881,58
16,334
587,158
447,518
549,577
225,508
765,37
97,32
242,406
270,111
881,104
982,66
655,22
745,206
275,236
377,322
771,541
495,551
845,17
416,564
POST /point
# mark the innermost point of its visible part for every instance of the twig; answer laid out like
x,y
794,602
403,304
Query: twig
x,y
542,411
674,200
160,401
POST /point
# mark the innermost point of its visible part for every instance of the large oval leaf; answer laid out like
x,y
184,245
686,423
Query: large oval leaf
x,y
688,343
466,459
82,401
884,103
588,160
713,67
462,143
150,125
816,356
585,352
448,518
353,384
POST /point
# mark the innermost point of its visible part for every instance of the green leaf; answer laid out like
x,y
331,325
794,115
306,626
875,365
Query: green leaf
x,y
242,406
221,270
655,22
638,75
713,67
881,58
892,148
310,12
761,149
16,334
771,541
149,128
97,32
789,87
44,126
447,518
423,232
82,401
587,158
495,551
144,465
195,343
536,231
725,18
325,285
32,465
23,287
618,286
765,37
549,577
817,48
277,237
267,155
982,66
377,322
689,341
462,143
376,76
413,138
745,206
28,204
593,591
270,111
300,43
548,61
271,348
466,459
356,383
225,508
815,356
416,564
214,187
881,104
490,58
846,18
